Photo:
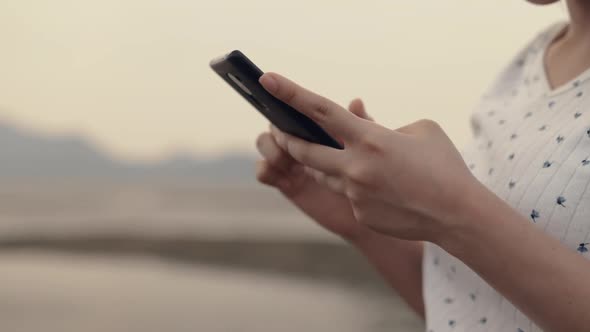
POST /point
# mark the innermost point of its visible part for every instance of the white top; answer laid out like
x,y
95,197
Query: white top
x,y
531,147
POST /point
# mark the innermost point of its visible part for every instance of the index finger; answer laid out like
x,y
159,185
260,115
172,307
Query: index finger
x,y
333,118
317,156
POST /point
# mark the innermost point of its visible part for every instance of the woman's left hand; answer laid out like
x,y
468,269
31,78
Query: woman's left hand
x,y
410,183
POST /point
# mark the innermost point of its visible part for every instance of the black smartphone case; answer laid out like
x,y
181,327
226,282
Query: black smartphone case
x,y
276,111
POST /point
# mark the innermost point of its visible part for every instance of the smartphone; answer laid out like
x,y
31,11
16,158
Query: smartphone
x,y
242,74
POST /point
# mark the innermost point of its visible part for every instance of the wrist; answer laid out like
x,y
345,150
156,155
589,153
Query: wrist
x,y
361,238
468,218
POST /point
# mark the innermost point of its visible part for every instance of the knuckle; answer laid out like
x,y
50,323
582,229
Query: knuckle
x,y
261,175
371,142
318,108
270,152
428,124
261,139
359,173
299,152
288,93
274,158
321,110
334,183
353,193
319,177
363,216
266,177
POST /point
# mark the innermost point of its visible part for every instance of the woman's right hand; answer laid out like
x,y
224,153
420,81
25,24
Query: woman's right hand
x,y
399,261
329,209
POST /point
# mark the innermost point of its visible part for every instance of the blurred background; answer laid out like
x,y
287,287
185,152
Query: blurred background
x,y
127,192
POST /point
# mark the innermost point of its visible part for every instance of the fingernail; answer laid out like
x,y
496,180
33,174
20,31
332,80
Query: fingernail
x,y
269,83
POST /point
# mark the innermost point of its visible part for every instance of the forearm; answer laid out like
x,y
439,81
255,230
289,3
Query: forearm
x,y
545,280
399,262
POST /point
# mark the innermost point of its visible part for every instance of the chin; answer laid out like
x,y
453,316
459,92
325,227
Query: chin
x,y
543,2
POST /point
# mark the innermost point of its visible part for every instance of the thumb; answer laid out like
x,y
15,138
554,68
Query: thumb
x,y
357,108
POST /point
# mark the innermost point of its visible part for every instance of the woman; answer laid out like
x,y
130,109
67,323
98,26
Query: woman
x,y
493,239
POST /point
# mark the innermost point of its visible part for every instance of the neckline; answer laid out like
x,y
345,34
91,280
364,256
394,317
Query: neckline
x,y
554,33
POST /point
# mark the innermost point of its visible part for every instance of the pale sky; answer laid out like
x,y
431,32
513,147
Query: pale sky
x,y
133,75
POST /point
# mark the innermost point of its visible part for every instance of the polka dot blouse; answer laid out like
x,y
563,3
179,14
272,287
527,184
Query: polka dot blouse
x,y
531,146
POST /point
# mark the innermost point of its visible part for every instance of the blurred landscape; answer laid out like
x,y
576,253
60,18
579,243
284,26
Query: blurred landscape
x,y
89,243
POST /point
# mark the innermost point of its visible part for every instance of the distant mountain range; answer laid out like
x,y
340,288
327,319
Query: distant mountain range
x,y
26,154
